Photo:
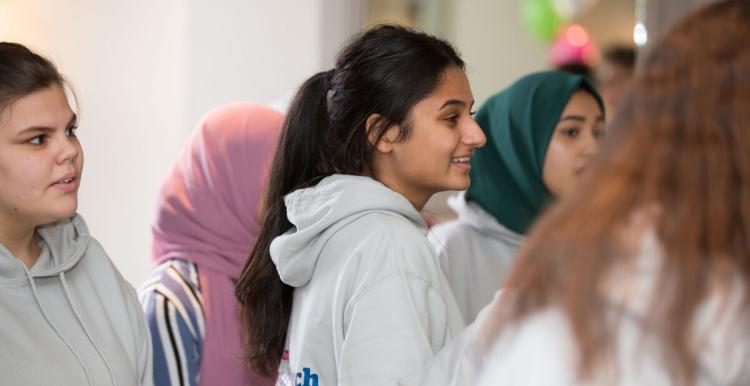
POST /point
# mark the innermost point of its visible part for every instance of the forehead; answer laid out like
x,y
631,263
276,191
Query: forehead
x,y
583,101
453,84
47,108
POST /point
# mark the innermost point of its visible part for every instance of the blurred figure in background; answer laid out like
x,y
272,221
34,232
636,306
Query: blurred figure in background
x,y
615,74
208,216
541,134
577,69
641,277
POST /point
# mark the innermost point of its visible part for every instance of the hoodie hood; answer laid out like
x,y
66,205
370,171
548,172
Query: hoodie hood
x,y
63,244
471,213
63,309
316,213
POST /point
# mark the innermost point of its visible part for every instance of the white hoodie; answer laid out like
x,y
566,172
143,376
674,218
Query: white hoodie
x,y
541,349
475,252
371,305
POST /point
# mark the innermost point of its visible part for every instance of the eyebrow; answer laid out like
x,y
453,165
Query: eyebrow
x,y
46,129
579,118
455,102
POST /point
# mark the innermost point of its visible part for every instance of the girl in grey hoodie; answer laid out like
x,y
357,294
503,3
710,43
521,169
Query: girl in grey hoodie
x,y
68,317
342,286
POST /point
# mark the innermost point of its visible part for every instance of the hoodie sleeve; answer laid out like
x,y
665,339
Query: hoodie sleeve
x,y
393,330
145,353
141,335
143,349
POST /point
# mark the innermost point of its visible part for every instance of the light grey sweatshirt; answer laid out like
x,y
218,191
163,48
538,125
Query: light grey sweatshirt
x,y
71,319
371,305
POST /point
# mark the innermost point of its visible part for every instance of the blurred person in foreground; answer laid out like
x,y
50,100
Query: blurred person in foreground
x,y
642,277
615,75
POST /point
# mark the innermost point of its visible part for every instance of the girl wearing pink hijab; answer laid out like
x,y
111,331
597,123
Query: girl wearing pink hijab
x,y
207,218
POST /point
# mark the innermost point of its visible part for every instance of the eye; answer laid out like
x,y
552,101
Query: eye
x,y
473,113
571,132
453,118
38,140
71,131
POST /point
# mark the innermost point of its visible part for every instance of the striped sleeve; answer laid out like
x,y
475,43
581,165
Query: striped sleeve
x,y
174,310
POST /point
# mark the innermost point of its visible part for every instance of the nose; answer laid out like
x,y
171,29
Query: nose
x,y
69,150
590,144
473,135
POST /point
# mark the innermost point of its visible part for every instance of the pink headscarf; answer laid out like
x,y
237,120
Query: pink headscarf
x,y
207,213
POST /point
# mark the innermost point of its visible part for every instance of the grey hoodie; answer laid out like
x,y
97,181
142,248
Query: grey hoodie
x,y
71,319
371,306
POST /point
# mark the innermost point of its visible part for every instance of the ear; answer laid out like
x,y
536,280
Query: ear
x,y
385,144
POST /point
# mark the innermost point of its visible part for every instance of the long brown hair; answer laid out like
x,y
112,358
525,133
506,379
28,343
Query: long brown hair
x,y
679,155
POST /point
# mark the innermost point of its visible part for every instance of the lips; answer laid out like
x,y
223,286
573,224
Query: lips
x,y
462,159
68,183
67,179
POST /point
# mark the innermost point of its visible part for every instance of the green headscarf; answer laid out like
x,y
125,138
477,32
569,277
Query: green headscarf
x,y
506,174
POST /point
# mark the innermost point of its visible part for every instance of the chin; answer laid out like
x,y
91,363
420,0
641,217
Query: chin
x,y
457,183
62,213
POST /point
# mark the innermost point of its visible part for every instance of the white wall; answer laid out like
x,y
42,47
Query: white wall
x,y
495,44
610,22
249,50
145,71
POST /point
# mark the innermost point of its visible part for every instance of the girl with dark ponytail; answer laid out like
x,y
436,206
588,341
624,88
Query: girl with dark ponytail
x,y
341,286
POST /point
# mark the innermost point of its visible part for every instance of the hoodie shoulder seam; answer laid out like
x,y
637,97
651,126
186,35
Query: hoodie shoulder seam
x,y
400,273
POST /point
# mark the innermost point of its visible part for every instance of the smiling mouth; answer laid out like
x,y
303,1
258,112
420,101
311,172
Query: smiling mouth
x,y
65,181
460,160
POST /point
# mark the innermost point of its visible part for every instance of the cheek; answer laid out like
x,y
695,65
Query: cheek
x,y
441,142
558,167
80,158
421,146
560,157
27,174
18,184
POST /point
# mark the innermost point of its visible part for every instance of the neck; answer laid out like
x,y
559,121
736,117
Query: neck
x,y
417,199
21,242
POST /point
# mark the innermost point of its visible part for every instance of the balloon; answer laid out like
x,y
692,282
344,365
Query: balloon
x,y
541,18
573,45
572,9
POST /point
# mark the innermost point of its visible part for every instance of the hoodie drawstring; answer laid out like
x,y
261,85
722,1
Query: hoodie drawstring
x,y
85,329
54,328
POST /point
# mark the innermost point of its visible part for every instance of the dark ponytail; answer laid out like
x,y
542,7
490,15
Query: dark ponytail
x,y
266,301
386,71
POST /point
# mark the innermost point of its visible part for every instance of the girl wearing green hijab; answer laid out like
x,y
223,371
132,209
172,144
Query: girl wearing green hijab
x,y
541,133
